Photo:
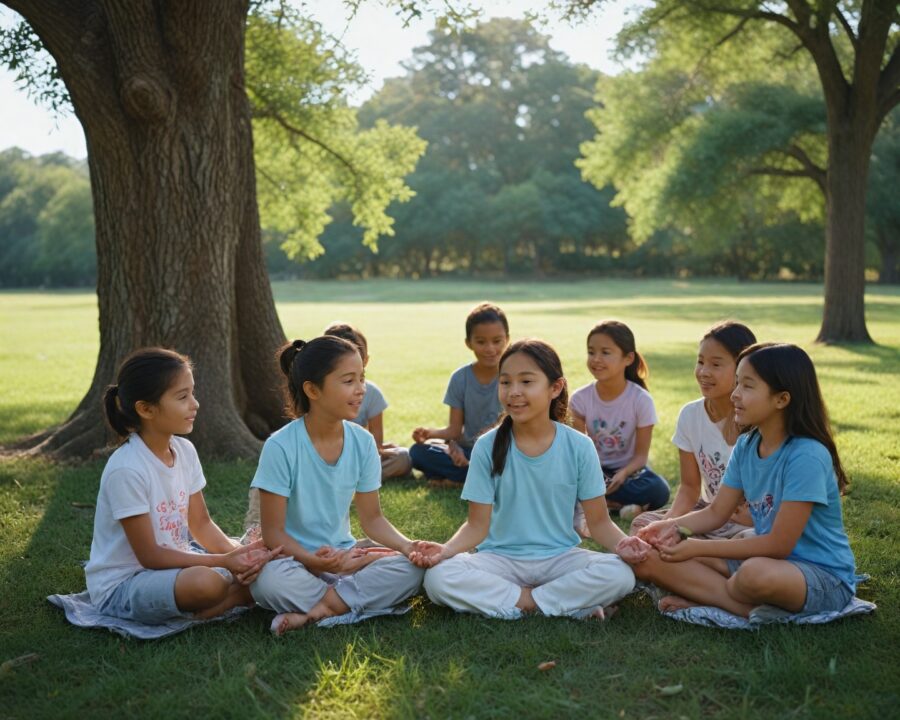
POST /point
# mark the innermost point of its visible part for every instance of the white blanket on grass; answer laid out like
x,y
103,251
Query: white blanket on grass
x,y
79,611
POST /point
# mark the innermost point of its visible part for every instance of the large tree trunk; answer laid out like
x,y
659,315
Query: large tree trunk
x,y
159,90
849,149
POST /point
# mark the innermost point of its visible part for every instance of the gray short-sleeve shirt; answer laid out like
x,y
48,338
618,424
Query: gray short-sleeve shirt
x,y
479,403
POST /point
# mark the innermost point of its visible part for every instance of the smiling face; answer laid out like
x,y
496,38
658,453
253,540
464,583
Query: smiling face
x,y
525,391
176,410
342,390
605,359
488,341
714,370
754,402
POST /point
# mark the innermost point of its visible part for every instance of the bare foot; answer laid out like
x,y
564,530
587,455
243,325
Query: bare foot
x,y
671,603
526,601
603,613
287,621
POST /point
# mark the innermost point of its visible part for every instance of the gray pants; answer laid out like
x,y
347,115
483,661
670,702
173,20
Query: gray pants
x,y
286,586
573,584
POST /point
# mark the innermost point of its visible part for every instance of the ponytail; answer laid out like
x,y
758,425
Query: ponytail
x,y
549,363
143,376
114,415
312,361
638,371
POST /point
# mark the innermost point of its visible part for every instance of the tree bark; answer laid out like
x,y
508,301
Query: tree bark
x,y
844,316
159,90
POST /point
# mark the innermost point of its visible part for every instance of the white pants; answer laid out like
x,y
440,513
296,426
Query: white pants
x,y
572,584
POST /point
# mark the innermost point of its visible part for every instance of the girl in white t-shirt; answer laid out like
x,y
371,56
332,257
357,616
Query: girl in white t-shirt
x,y
150,506
706,430
618,414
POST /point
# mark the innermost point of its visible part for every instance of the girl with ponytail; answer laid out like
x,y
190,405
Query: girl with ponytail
x,y
150,506
618,414
308,474
524,478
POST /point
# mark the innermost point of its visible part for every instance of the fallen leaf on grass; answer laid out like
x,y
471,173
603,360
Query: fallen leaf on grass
x,y
83,505
16,662
548,665
670,689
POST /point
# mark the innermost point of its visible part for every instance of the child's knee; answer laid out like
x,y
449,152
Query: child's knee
x,y
754,579
437,581
200,587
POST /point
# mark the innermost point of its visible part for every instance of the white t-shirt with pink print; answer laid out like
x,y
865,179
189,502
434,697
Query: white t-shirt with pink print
x,y
612,425
136,482
697,434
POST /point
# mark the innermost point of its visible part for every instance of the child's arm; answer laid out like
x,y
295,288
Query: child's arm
x,y
273,511
712,517
240,561
376,427
786,531
578,422
453,431
470,533
204,530
376,526
631,549
642,438
689,489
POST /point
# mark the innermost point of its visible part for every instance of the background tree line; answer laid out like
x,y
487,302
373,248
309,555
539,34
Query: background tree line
x,y
699,163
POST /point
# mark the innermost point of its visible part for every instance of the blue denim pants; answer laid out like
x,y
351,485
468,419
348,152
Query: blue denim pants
x,y
643,487
435,463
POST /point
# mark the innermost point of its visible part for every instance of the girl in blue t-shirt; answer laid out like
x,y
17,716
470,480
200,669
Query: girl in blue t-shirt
x,y
524,478
788,470
309,472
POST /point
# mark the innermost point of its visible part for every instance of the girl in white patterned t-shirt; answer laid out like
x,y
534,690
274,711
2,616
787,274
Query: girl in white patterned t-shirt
x,y
706,430
150,506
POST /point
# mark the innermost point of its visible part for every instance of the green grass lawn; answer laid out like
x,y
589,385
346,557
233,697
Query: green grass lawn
x,y
430,662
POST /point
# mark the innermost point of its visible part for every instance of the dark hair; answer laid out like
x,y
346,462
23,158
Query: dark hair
x,y
546,358
731,335
144,375
302,361
485,313
787,368
621,335
351,334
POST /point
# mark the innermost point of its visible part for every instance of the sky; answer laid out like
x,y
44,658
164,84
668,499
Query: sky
x,y
376,34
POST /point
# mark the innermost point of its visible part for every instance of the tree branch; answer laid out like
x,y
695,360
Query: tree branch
x,y
294,130
778,172
889,85
847,29
813,171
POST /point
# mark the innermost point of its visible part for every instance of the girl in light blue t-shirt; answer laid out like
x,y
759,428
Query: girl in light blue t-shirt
x,y
309,472
523,480
788,470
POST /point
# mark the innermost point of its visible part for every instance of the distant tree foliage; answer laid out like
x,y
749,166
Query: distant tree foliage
x,y
46,221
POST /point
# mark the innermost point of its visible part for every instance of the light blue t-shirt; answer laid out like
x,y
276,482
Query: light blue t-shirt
x,y
800,470
480,403
318,494
373,404
534,496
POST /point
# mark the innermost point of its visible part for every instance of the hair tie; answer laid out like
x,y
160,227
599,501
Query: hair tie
x,y
298,345
114,390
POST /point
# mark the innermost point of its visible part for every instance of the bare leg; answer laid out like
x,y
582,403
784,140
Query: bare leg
x,y
693,580
200,589
237,596
329,606
766,581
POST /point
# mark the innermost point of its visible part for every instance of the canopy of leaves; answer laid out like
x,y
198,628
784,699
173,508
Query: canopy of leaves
x,y
310,152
